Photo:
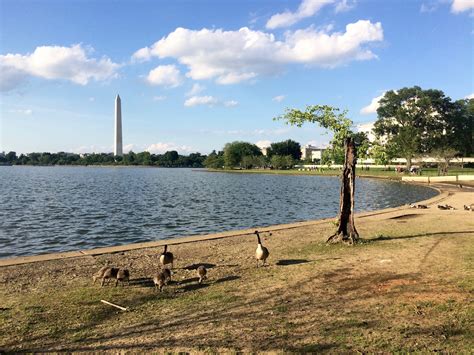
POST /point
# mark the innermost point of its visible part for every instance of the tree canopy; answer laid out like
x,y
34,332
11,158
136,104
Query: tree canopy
x,y
330,118
235,151
288,147
414,121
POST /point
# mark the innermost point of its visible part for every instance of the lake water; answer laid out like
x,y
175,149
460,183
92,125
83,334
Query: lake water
x,y
51,209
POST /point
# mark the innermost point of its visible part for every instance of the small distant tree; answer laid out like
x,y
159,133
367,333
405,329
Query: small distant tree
x,y
380,153
235,151
214,160
288,147
332,119
444,157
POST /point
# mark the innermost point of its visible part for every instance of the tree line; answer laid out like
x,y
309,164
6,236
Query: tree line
x,y
245,155
170,159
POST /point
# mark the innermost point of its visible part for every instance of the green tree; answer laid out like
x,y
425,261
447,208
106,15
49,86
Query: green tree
x,y
380,153
288,147
214,160
332,119
416,121
235,151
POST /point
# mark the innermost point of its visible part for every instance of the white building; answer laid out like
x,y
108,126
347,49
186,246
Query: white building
x,y
311,152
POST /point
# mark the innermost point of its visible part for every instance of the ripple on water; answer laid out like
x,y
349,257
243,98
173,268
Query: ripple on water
x,y
63,208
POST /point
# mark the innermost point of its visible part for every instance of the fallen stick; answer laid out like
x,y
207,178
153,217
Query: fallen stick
x,y
114,305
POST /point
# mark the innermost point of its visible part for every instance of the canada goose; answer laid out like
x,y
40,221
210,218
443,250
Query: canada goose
x,y
261,253
166,257
469,207
99,274
446,207
159,280
167,273
418,206
202,272
109,273
123,275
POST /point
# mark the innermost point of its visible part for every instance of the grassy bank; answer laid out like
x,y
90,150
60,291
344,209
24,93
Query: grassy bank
x,y
377,173
407,287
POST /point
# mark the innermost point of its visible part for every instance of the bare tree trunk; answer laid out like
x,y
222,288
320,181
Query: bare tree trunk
x,y
408,167
347,232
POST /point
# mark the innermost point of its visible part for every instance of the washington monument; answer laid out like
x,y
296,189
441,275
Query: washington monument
x,y
118,127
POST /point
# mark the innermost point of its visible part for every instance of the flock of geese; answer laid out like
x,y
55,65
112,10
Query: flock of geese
x,y
163,276
444,207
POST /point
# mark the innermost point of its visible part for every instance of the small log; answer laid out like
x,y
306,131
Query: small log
x,y
114,305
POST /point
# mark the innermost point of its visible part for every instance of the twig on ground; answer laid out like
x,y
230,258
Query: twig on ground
x,y
114,305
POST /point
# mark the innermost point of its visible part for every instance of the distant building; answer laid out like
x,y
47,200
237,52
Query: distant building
x,y
264,150
311,152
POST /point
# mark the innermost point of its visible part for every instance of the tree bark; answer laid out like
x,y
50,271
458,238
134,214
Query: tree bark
x,y
408,166
347,232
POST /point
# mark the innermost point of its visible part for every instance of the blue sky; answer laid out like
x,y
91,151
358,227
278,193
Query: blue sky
x,y
194,75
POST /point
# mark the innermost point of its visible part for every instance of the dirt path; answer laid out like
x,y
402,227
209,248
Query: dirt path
x,y
407,287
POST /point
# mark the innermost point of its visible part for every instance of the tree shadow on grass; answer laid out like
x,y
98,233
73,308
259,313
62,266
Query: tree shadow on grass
x,y
142,282
227,278
291,262
422,235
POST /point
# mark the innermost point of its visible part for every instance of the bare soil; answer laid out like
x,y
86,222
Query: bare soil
x,y
407,287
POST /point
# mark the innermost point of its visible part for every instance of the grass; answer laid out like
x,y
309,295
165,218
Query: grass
x,y
401,290
373,172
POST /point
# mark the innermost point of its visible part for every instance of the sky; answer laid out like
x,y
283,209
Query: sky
x,y
196,74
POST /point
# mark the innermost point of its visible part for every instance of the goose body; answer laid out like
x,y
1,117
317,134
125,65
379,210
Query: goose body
x,y
261,253
159,280
166,257
99,274
202,272
123,275
109,273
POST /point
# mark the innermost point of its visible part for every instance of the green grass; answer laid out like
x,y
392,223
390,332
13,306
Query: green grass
x,y
374,172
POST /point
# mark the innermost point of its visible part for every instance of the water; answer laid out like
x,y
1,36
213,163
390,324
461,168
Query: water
x,y
51,209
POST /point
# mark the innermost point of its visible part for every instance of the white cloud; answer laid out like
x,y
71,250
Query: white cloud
x,y
231,57
263,144
91,99
159,98
196,89
91,149
428,7
208,101
231,103
306,9
279,98
165,75
201,100
459,6
54,62
373,106
469,97
345,5
160,148
127,148
141,55
26,112
318,144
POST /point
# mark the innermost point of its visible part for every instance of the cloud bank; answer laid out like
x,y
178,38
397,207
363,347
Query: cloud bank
x,y
231,57
54,62
306,9
459,6
373,106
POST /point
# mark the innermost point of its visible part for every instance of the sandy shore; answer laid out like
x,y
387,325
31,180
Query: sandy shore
x,y
407,287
